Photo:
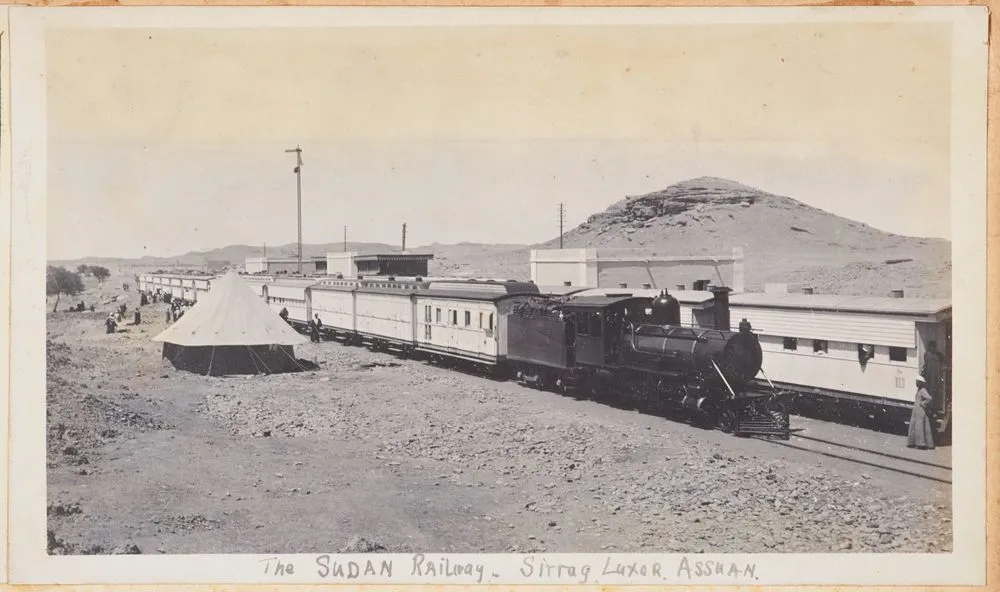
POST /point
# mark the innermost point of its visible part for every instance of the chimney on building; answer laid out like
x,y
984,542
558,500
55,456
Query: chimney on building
x,y
647,286
623,285
681,287
807,290
567,283
897,293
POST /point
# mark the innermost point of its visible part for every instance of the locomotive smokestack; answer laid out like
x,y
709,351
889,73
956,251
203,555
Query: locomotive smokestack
x,y
720,307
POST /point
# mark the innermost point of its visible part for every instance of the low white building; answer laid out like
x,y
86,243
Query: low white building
x,y
611,268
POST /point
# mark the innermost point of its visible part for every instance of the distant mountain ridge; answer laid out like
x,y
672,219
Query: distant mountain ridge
x,y
784,240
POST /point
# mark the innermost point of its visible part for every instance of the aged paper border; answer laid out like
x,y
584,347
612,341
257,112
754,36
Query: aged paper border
x,y
965,180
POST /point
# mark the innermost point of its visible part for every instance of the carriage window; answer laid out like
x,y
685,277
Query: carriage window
x,y
454,317
491,321
820,346
427,314
581,324
468,318
437,315
480,320
791,343
595,324
897,354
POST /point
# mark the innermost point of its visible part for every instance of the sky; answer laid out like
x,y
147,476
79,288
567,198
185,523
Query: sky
x,y
168,140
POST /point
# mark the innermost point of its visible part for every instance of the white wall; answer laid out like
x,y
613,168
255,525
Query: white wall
x,y
342,263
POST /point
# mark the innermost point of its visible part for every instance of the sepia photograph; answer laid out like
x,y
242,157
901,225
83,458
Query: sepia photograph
x,y
572,296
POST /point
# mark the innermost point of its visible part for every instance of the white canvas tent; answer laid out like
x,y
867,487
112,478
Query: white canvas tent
x,y
231,331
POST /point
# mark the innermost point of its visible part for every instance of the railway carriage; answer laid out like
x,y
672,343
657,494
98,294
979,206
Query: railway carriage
x,y
468,323
188,292
334,303
289,294
862,352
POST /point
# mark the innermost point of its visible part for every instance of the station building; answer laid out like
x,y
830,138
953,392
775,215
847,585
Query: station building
x,y
627,268
346,264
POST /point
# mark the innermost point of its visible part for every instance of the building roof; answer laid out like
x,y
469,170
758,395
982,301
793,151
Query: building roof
x,y
230,314
491,286
695,298
837,303
598,301
377,256
471,295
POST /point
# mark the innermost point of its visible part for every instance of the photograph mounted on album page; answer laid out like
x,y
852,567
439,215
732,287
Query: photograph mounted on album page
x,y
606,296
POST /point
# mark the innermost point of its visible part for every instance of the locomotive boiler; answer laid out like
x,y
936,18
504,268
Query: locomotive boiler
x,y
664,346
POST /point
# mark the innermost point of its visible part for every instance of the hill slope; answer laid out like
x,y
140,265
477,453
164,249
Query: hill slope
x,y
784,240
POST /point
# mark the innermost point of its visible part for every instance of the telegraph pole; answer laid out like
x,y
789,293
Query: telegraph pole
x,y
298,186
562,218
345,239
404,237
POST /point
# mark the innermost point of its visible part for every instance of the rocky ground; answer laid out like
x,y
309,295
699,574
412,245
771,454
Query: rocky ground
x,y
372,453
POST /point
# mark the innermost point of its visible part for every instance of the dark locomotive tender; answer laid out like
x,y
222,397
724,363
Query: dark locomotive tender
x,y
636,345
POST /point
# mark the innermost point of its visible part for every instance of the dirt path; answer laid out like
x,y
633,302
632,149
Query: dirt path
x,y
372,452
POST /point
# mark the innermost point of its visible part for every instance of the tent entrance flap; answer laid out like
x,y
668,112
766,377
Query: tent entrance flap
x,y
221,360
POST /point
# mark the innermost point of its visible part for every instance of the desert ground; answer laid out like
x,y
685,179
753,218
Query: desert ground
x,y
371,452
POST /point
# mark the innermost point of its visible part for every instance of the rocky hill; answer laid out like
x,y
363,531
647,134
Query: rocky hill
x,y
784,240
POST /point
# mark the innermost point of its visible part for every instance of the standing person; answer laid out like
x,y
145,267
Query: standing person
x,y
284,314
138,319
319,328
921,435
311,327
933,372
110,325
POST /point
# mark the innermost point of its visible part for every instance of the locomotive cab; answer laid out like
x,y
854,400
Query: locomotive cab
x,y
600,323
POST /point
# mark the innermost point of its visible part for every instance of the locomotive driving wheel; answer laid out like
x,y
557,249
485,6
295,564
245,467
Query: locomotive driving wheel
x,y
727,420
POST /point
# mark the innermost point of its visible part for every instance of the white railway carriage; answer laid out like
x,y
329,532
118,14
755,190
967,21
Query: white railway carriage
x,y
258,284
203,284
335,306
467,319
866,349
384,315
188,292
288,294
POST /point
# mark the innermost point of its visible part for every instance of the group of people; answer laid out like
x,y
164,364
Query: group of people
x,y
117,316
175,311
80,307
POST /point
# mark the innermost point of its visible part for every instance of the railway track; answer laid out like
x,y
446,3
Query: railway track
x,y
868,450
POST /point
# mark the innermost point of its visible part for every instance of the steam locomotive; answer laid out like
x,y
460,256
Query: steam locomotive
x,y
636,346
